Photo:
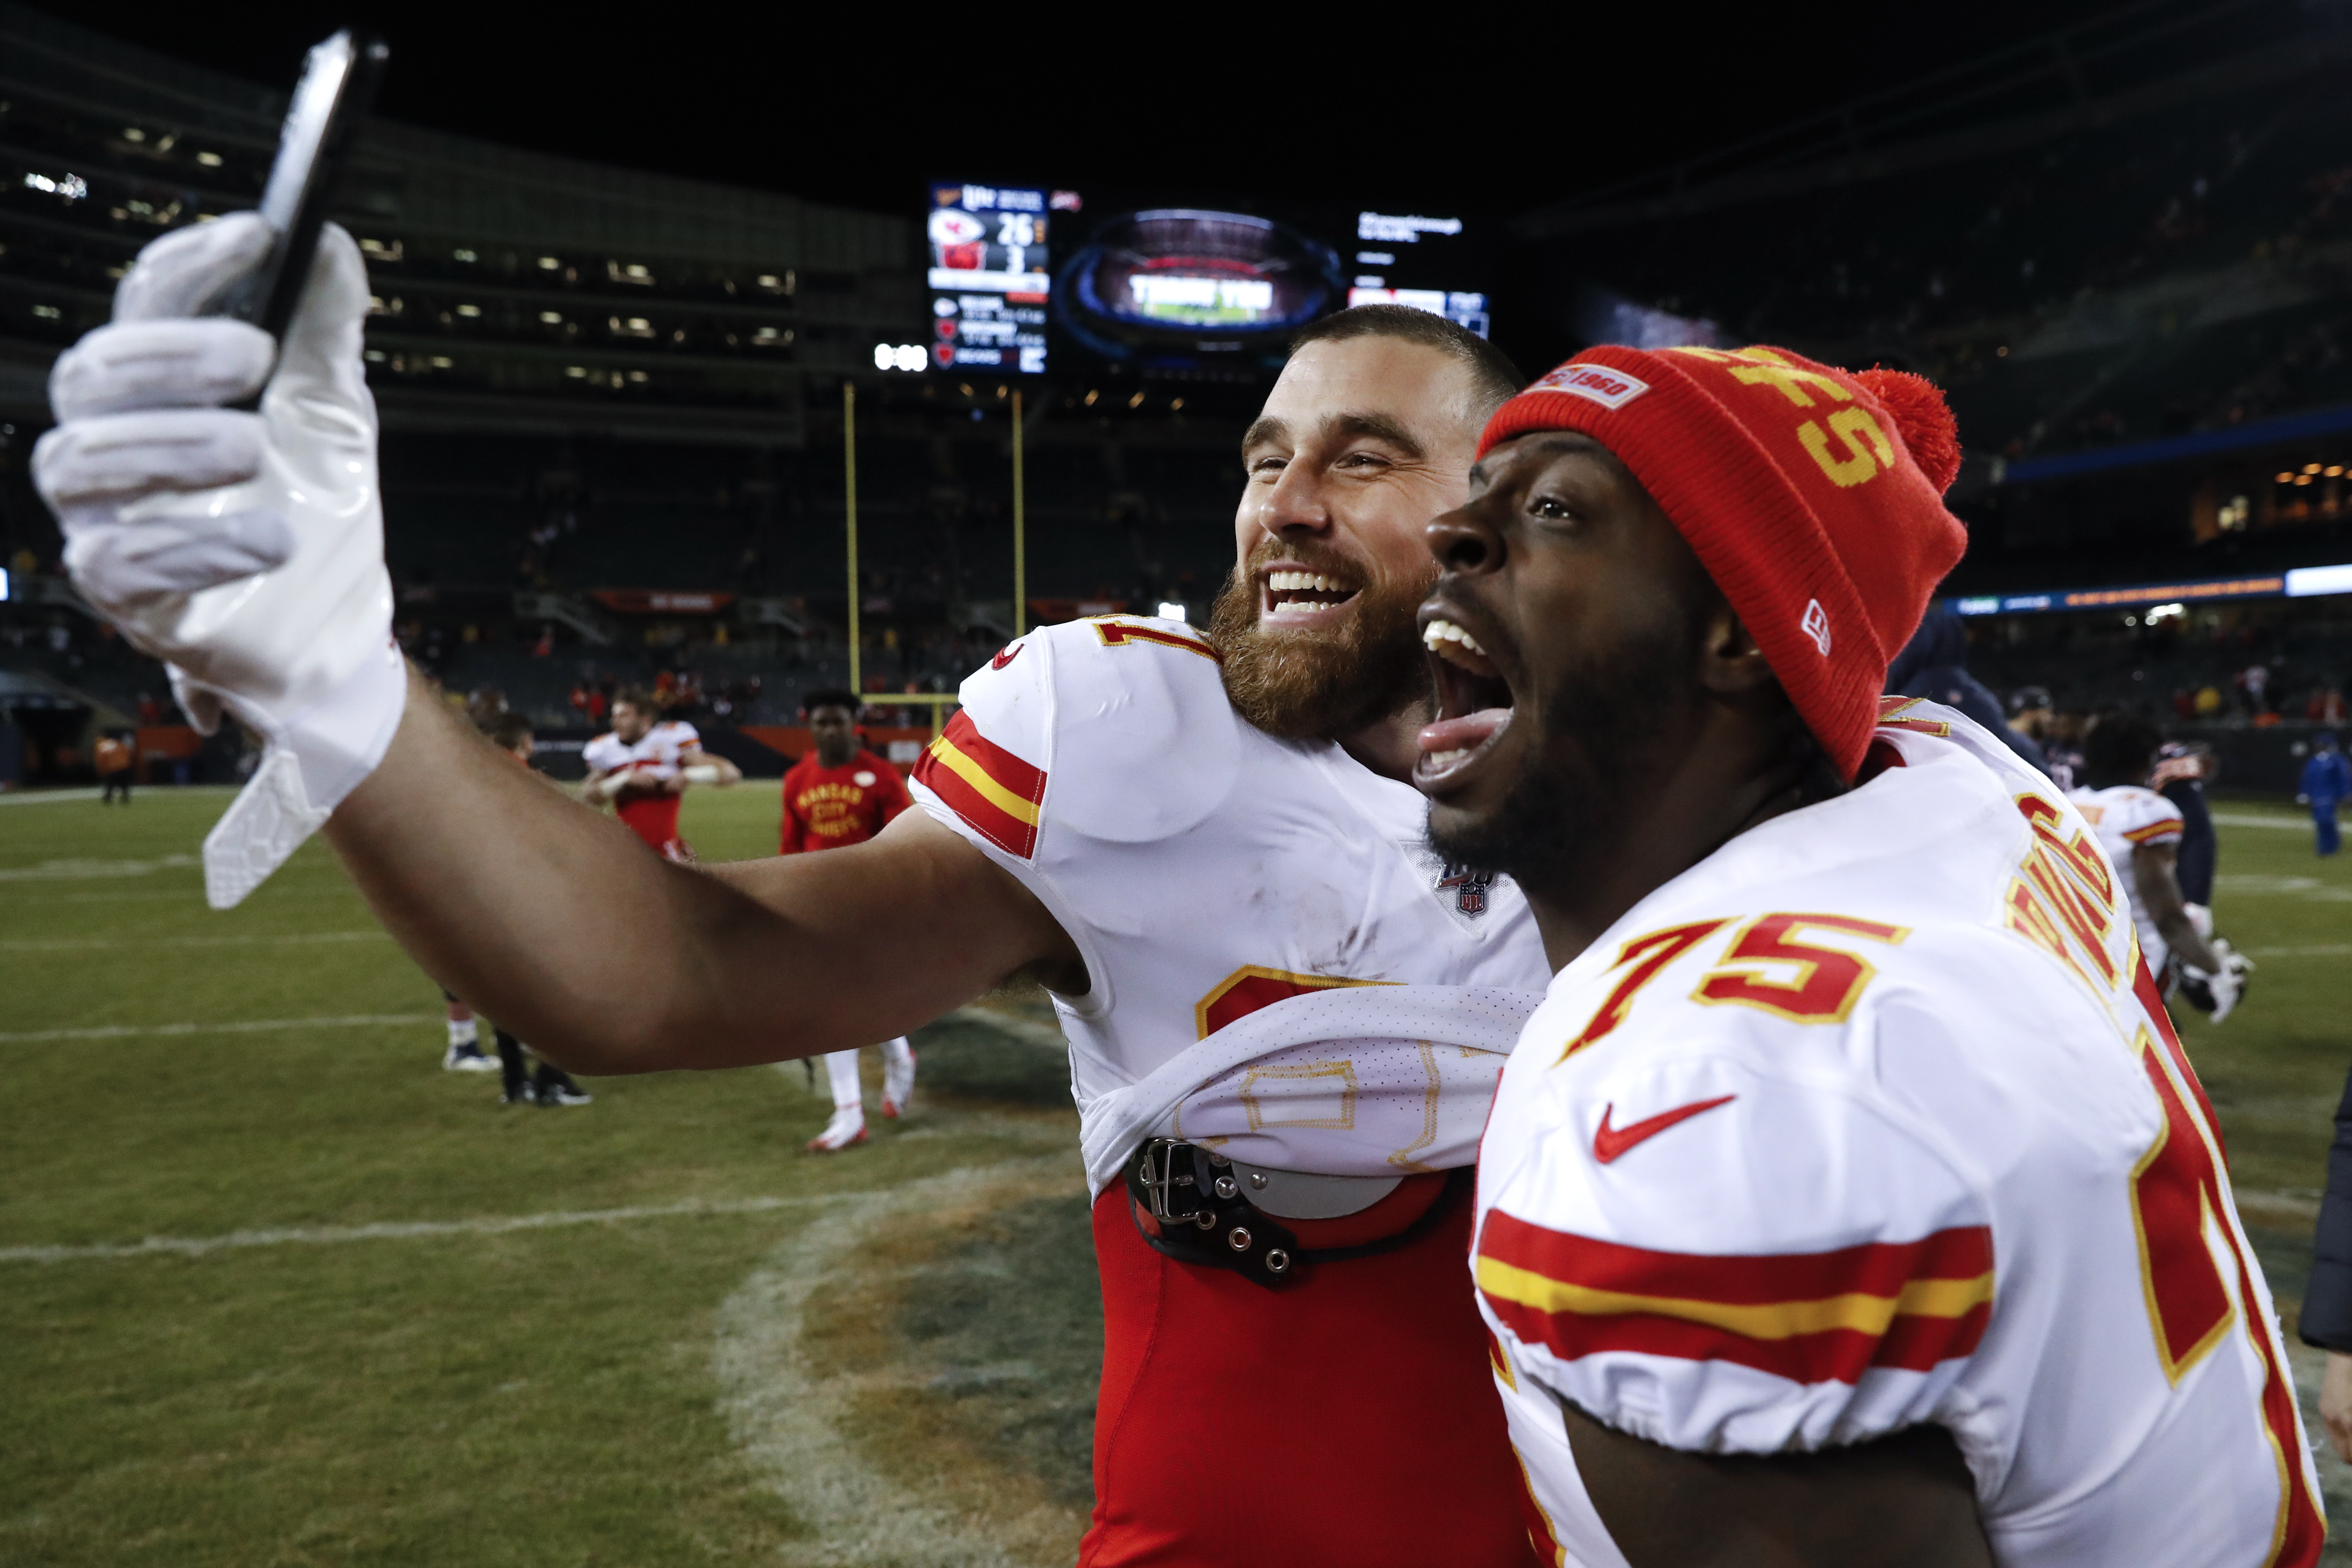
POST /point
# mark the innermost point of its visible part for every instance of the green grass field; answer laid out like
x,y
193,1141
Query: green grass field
x,y
276,1289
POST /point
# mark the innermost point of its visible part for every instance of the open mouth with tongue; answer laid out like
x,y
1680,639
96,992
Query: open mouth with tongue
x,y
1473,707
1293,595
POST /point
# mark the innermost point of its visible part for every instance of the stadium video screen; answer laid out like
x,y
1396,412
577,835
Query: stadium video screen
x,y
1170,281
989,283
1175,282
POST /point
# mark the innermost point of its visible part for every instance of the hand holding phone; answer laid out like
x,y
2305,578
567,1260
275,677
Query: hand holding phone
x,y
237,536
338,82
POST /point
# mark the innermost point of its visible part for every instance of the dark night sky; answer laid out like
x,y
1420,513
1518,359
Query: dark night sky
x,y
859,104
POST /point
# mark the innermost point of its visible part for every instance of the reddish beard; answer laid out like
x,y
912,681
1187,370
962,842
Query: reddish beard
x,y
1312,683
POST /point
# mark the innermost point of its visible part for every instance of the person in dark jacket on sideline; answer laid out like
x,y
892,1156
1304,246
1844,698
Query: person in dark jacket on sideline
x,y
2183,769
1935,664
2327,1321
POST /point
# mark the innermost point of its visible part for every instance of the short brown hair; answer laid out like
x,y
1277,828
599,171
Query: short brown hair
x,y
510,730
638,698
1493,379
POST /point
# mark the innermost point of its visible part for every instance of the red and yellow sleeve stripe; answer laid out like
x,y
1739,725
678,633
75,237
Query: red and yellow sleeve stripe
x,y
2161,832
994,792
1815,1317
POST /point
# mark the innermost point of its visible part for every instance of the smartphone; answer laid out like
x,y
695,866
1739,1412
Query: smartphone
x,y
338,82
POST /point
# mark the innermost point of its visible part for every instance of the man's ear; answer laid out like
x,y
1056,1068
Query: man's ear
x,y
1730,664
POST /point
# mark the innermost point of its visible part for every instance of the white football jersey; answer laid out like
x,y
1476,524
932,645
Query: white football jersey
x,y
2125,816
1204,868
654,754
1874,1119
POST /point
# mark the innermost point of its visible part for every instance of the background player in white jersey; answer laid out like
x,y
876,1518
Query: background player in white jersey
x,y
1850,1199
2141,832
1350,1383
644,765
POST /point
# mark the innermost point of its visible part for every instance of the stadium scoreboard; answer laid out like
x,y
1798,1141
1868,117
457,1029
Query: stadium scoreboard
x,y
988,282
1424,262
1167,282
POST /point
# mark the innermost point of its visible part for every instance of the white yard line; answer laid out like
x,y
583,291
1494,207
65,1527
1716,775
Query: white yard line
x,y
787,1410
49,796
84,870
275,891
142,944
406,1230
252,1027
2317,950
2248,819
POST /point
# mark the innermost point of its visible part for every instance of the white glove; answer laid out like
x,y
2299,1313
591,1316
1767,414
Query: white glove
x,y
702,774
244,550
2225,986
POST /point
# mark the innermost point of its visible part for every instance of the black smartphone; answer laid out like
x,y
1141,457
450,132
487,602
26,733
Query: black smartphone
x,y
338,82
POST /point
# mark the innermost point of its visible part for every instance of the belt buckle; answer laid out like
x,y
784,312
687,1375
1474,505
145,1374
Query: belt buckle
x,y
1166,1164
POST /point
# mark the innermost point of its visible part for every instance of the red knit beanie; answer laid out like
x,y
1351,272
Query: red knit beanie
x,y
1812,496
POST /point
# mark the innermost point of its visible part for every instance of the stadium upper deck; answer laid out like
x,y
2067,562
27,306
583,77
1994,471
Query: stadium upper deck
x,y
2125,249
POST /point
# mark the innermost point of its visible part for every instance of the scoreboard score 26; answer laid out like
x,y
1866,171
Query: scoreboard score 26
x,y
988,275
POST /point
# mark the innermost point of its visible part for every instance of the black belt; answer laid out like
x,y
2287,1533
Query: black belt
x,y
1205,1220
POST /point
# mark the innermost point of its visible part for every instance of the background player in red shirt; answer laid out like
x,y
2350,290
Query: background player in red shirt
x,y
842,794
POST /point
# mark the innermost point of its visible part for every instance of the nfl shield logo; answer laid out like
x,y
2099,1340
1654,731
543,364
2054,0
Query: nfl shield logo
x,y
1469,887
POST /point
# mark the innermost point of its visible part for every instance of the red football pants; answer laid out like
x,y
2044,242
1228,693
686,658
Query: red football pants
x,y
1350,1420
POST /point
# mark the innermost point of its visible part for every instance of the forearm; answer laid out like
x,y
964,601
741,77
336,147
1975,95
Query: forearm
x,y
549,917
2159,892
1904,1500
555,920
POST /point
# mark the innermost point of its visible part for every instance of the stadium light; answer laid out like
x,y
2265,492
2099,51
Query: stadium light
x,y
900,356
1171,610
885,356
4,584
2306,581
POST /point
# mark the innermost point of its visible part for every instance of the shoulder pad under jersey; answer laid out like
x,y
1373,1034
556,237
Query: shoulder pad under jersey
x,y
1127,717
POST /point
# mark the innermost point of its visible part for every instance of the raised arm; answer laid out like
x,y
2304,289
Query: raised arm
x,y
244,547
609,959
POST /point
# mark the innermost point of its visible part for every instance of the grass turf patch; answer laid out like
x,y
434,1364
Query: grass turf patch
x,y
544,1396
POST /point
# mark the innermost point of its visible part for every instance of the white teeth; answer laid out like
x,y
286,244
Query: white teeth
x,y
1444,758
1438,632
1302,582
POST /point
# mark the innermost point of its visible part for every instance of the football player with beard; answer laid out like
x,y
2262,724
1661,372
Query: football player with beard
x,y
1285,1012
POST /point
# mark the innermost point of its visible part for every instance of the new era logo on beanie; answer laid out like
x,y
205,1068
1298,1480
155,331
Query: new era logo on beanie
x,y
1609,387
1812,496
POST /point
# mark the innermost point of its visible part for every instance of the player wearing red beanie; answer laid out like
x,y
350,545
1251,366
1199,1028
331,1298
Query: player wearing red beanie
x,y
1852,1135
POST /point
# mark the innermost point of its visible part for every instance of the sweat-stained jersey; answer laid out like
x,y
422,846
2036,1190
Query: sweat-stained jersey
x,y
1204,868
826,808
655,758
2125,816
1874,1119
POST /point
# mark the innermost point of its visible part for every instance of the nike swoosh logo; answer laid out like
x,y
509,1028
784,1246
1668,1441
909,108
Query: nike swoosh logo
x,y
1608,1142
1007,657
